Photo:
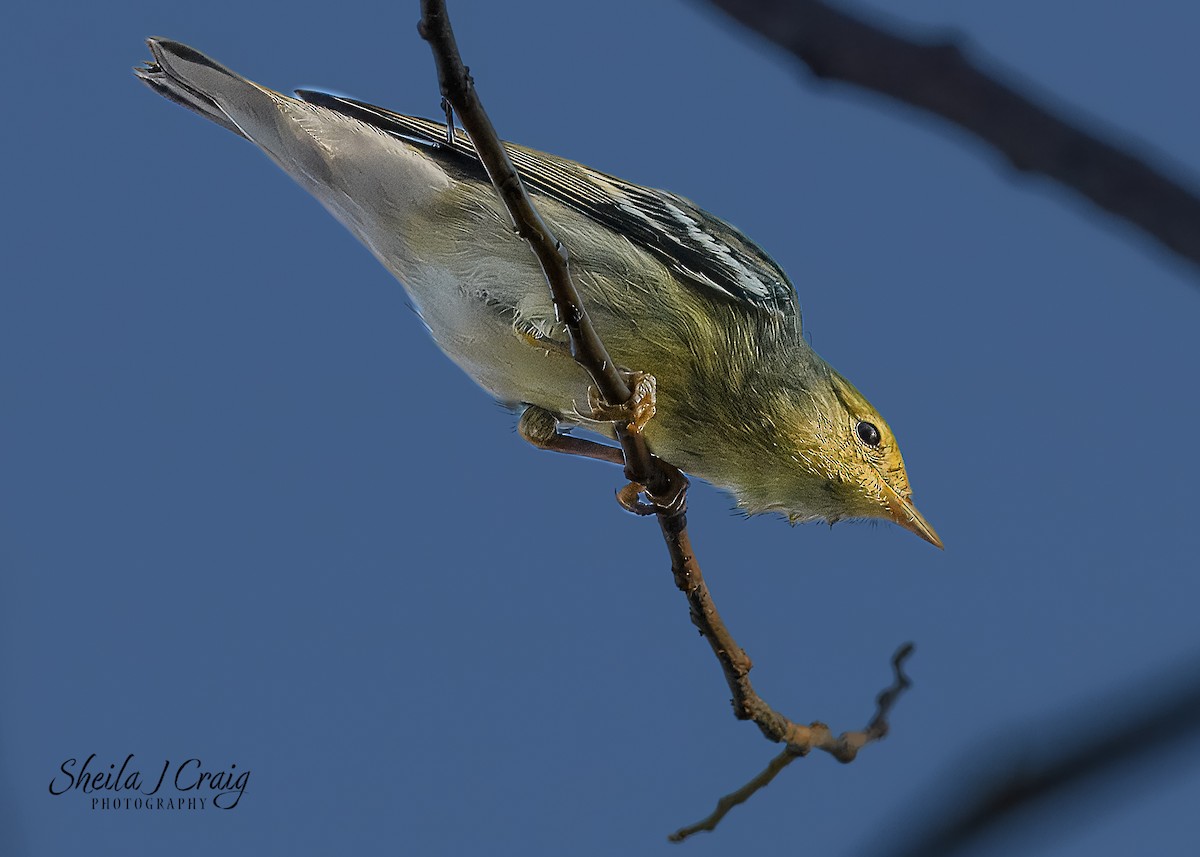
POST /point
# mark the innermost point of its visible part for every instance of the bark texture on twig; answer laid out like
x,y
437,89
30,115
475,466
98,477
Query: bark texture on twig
x,y
665,485
875,730
937,77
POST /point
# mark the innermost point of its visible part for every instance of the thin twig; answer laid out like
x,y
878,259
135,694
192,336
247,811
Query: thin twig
x,y
665,485
739,796
875,730
936,76
458,89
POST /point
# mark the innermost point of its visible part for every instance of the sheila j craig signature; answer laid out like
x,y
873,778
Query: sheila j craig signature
x,y
195,786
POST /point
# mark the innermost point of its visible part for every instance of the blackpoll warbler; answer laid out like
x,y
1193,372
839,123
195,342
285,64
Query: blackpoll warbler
x,y
742,400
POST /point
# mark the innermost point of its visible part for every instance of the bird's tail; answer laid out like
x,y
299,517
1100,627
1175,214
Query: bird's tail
x,y
188,77
370,180
273,121
261,115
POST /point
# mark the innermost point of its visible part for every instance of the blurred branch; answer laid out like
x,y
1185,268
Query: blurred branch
x,y
1067,764
936,76
662,483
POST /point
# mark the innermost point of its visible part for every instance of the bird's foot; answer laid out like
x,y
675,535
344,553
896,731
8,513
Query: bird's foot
x,y
641,407
672,502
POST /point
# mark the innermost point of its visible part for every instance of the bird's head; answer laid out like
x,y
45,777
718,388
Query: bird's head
x,y
851,451
819,451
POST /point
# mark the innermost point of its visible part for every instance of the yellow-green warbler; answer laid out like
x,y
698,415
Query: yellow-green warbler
x,y
742,400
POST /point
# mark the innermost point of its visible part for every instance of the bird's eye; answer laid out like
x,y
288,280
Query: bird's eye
x,y
867,433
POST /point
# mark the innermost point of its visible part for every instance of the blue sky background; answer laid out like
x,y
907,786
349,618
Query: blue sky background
x,y
233,525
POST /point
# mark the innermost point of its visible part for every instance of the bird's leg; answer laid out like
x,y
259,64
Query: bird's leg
x,y
540,427
636,413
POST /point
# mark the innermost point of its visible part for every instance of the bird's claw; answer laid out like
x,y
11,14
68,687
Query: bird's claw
x,y
674,502
641,407
631,500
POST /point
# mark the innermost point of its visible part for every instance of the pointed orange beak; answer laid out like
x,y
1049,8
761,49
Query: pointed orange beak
x,y
904,513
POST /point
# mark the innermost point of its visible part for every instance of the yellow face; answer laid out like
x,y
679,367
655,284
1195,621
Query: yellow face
x,y
867,470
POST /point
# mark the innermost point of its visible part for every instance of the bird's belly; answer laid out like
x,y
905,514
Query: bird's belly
x,y
480,331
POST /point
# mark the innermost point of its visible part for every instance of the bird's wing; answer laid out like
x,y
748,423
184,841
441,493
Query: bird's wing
x,y
701,249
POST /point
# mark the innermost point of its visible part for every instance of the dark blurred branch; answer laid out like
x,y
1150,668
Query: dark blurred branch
x,y
663,484
939,78
1002,789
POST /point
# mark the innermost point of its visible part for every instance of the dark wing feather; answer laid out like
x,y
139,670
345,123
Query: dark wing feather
x,y
700,248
